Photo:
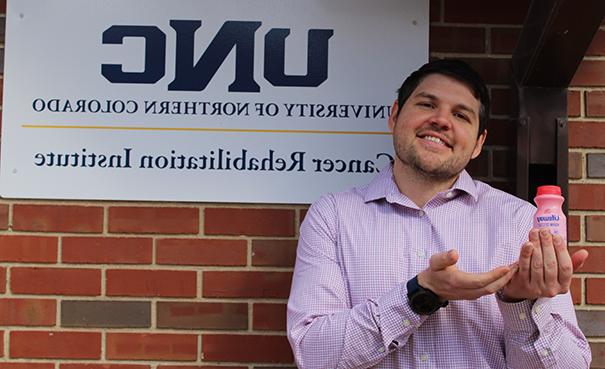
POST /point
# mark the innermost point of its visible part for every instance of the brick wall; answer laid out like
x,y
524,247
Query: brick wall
x,y
92,285
587,191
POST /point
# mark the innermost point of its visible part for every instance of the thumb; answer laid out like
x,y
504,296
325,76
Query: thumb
x,y
442,260
578,259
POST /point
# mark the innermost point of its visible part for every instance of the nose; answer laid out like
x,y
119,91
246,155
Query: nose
x,y
441,119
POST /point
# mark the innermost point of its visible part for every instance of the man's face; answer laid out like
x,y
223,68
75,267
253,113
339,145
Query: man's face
x,y
435,131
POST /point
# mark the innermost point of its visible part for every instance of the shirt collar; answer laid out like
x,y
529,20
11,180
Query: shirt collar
x,y
384,185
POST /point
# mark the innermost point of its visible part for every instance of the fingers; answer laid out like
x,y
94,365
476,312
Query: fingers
x,y
500,283
524,262
537,266
550,263
442,260
478,281
578,259
564,261
491,287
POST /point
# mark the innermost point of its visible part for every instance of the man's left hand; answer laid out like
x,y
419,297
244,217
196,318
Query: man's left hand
x,y
545,268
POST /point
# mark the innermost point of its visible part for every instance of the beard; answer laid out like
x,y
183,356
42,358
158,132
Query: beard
x,y
427,166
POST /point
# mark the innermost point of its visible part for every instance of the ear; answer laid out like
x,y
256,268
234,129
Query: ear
x,y
393,116
479,144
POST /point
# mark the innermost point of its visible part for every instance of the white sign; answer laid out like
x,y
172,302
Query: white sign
x,y
264,101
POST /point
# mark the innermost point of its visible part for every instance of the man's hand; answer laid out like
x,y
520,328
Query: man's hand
x,y
449,283
544,267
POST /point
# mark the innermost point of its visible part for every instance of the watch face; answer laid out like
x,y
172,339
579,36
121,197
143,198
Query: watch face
x,y
424,303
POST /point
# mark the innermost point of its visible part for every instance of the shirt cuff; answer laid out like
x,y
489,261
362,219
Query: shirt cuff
x,y
396,318
517,316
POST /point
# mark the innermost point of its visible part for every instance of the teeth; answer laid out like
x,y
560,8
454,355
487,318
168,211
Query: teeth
x,y
434,139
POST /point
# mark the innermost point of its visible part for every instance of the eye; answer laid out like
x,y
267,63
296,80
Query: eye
x,y
426,104
462,116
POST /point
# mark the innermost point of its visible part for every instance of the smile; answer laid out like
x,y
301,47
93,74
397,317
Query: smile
x,y
436,140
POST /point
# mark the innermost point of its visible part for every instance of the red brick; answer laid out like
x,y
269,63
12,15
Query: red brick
x,y
124,219
504,40
151,283
103,366
586,196
55,345
501,101
152,346
255,348
28,249
3,216
573,228
28,365
202,315
456,39
598,355
249,222
576,290
196,251
58,218
3,7
273,252
587,134
595,103
595,291
501,132
2,280
589,73
1,343
56,281
493,71
200,367
246,284
270,317
28,312
597,46
478,11
594,263
574,103
107,250
595,228
575,165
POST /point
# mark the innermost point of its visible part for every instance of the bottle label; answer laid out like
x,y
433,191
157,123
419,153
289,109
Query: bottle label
x,y
555,223
548,218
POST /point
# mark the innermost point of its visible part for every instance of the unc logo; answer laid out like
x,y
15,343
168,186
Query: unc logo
x,y
232,34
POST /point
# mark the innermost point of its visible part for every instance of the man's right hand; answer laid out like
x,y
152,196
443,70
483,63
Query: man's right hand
x,y
443,277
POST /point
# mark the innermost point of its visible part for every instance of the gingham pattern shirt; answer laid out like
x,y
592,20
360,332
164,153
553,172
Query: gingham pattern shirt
x,y
348,304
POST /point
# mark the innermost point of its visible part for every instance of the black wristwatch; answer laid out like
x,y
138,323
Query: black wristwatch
x,y
422,300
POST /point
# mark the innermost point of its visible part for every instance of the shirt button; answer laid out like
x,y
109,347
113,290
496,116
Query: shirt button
x,y
406,323
545,352
381,349
522,316
537,309
424,357
420,213
449,195
420,253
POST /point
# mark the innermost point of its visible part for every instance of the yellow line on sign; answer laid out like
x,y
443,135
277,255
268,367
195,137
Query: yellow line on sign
x,y
130,128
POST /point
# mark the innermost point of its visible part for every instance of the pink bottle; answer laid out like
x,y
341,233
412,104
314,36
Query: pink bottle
x,y
550,213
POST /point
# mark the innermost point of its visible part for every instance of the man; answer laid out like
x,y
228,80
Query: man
x,y
426,268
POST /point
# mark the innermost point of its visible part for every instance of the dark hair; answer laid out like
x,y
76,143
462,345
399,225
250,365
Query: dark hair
x,y
456,69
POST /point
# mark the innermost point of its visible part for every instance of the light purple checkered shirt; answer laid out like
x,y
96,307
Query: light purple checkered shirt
x,y
357,249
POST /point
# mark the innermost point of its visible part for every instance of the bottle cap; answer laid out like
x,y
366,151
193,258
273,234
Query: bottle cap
x,y
549,190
